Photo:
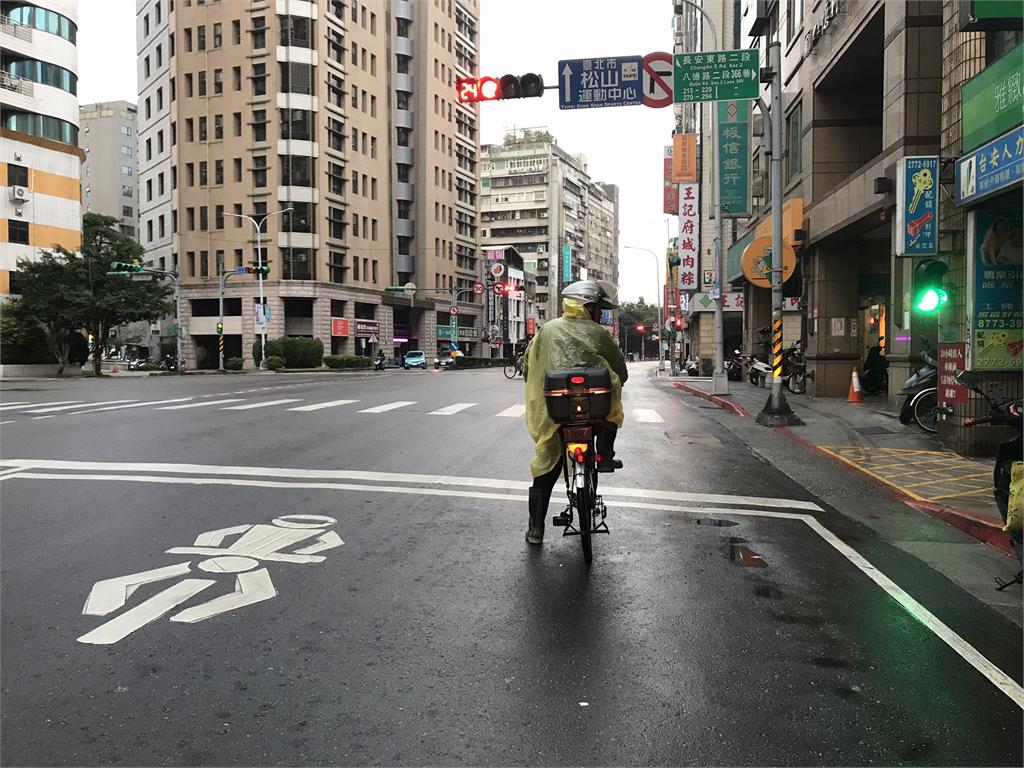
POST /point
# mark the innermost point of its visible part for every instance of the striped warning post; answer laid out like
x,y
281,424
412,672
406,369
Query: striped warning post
x,y
777,348
220,346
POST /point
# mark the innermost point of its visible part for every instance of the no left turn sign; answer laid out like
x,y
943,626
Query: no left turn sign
x,y
657,83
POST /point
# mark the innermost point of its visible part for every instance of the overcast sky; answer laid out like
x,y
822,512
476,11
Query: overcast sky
x,y
623,145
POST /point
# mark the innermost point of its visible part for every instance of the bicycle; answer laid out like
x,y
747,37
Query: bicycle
x,y
514,367
926,409
576,399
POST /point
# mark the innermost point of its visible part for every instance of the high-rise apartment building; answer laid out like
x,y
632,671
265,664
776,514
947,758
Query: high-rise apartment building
x,y
40,162
540,199
335,123
108,134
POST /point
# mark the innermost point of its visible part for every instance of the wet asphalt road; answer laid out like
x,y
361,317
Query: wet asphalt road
x,y
706,632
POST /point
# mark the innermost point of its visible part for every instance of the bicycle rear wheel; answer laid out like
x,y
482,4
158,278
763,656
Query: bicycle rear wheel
x,y
510,370
926,410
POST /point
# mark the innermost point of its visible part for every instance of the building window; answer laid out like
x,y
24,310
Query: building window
x,y
149,231
297,124
793,143
202,83
259,79
297,171
203,175
202,128
259,33
188,40
204,218
218,173
126,170
236,119
160,141
218,127
161,228
259,172
160,183
145,67
190,259
218,217
218,81
204,264
126,191
236,78
149,190
189,129
238,169
201,38
190,219
217,37
259,125
238,213
149,149
236,32
189,84
126,130
17,231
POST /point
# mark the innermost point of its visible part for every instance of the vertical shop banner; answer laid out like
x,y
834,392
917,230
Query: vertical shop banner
x,y
566,264
917,206
670,195
689,235
734,160
951,357
995,288
684,158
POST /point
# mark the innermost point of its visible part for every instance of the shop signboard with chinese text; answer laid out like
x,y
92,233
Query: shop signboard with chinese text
x,y
684,158
731,302
995,287
367,328
991,168
444,333
993,101
951,358
566,263
670,195
734,157
917,206
339,326
716,75
689,236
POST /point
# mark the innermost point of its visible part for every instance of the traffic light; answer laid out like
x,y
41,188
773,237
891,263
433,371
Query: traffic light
x,y
472,89
679,323
929,293
125,266
673,260
264,270
220,329
639,328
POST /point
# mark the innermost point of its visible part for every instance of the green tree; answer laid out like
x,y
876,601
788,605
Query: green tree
x,y
633,313
64,291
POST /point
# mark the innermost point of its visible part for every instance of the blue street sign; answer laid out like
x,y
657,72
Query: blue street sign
x,y
614,81
995,166
239,270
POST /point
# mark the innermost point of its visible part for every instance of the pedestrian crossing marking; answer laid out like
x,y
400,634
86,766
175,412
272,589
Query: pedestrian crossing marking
x,y
265,404
647,416
319,406
21,406
71,407
199,405
514,412
449,410
389,406
129,405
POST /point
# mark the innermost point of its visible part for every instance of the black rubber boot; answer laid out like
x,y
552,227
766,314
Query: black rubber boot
x,y
606,449
538,509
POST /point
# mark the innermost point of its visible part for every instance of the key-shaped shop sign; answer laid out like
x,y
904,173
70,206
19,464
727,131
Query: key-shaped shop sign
x,y
256,544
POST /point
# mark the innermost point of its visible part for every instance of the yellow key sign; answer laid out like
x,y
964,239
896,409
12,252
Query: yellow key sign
x,y
757,262
922,181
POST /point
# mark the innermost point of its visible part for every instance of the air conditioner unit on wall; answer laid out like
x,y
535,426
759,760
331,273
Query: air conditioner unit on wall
x,y
19,194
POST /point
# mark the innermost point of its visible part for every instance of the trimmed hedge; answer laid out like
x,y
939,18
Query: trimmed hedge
x,y
296,351
347,361
234,364
23,342
275,362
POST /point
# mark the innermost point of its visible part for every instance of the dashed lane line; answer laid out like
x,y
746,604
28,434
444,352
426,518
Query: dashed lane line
x,y
450,410
266,404
321,406
199,405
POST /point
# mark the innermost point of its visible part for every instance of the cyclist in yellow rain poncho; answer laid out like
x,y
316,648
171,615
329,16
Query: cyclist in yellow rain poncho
x,y
575,340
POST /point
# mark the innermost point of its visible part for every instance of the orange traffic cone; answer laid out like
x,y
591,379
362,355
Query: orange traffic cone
x,y
855,395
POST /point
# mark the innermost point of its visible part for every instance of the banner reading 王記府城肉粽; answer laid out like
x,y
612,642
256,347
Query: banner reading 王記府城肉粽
x,y
996,283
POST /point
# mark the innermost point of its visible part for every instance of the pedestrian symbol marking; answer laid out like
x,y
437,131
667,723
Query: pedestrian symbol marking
x,y
256,543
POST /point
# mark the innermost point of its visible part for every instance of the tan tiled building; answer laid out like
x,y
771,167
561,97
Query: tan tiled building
x,y
108,134
342,112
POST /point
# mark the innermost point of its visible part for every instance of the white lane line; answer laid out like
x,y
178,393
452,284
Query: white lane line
x,y
11,404
200,405
389,406
9,472
394,477
72,407
265,404
971,655
9,421
647,416
319,406
34,405
514,412
132,405
448,410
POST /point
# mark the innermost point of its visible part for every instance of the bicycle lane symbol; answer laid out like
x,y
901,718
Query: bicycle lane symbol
x,y
256,543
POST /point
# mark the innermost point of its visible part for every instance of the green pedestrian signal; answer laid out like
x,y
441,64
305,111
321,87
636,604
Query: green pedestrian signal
x,y
929,292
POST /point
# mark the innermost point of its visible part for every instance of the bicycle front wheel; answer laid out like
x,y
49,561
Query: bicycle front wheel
x,y
510,370
926,408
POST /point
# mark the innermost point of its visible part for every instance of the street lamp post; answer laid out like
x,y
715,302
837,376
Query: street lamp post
x,y
657,295
258,225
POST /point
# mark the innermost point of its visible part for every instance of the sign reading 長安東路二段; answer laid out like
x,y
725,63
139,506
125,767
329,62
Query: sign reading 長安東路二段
x,y
716,75
917,206
608,81
689,236
994,290
734,158
990,168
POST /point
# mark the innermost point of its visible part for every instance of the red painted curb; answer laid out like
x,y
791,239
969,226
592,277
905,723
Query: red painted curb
x,y
721,402
983,529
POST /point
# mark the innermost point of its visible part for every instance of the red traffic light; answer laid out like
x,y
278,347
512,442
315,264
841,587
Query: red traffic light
x,y
639,328
470,89
679,323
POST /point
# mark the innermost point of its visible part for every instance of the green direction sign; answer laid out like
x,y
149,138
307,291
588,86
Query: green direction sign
x,y
734,157
716,75
993,102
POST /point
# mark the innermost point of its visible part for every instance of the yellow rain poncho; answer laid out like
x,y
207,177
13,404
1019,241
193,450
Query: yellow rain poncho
x,y
571,341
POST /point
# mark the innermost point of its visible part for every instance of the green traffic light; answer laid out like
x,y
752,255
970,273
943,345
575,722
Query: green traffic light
x,y
932,299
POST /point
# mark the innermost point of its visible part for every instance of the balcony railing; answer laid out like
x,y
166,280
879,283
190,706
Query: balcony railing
x,y
17,84
19,31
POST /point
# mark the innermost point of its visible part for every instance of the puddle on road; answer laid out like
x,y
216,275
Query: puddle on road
x,y
741,554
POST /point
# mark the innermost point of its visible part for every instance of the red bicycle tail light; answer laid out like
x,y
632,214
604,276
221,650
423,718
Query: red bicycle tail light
x,y
578,380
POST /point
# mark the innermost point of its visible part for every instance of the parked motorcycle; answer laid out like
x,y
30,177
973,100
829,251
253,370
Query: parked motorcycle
x,y
692,366
1001,412
378,363
876,371
921,393
169,363
734,367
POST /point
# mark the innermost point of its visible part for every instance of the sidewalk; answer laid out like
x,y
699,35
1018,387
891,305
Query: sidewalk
x,y
869,439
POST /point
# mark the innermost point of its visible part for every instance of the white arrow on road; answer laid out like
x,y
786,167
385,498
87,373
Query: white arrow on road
x,y
566,78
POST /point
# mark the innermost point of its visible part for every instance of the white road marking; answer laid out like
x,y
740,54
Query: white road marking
x,y
10,421
319,406
121,626
17,407
131,405
389,406
200,405
514,412
647,415
265,404
110,594
8,472
14,403
454,408
253,587
72,407
393,477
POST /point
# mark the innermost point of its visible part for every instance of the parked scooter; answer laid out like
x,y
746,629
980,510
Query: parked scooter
x,y
378,363
734,367
794,368
876,371
1001,412
920,389
692,366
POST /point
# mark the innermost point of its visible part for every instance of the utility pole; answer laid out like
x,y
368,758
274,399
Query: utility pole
x,y
222,279
776,411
